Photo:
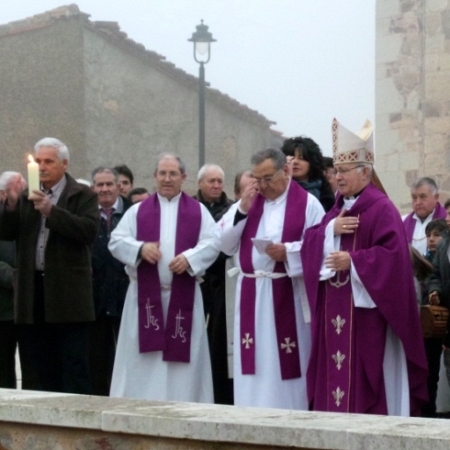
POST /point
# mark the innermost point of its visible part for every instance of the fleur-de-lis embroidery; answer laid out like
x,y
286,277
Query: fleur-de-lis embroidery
x,y
247,340
338,394
338,323
338,358
287,344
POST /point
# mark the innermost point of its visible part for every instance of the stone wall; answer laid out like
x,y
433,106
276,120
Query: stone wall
x,y
135,111
412,95
39,420
41,92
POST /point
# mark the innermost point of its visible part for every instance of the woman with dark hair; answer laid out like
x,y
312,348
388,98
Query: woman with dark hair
x,y
308,168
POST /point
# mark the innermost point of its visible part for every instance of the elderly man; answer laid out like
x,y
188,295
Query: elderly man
x,y
426,207
272,333
367,351
166,241
109,279
54,229
210,193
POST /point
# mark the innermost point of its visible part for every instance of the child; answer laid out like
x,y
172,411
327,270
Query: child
x,y
434,231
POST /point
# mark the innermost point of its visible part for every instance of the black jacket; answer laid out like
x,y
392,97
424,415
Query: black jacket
x,y
108,274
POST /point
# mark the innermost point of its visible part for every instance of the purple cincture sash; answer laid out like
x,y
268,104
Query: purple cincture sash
x,y
410,223
175,338
283,294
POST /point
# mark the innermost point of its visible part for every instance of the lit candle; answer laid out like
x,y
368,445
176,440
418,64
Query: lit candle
x,y
33,175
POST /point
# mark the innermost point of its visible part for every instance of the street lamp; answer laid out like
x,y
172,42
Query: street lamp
x,y
202,39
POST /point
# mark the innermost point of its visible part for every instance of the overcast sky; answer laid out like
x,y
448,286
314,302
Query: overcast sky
x,y
298,62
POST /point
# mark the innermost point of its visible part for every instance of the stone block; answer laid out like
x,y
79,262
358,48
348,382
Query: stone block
x,y
436,125
408,160
383,26
388,48
433,23
437,86
388,98
444,62
437,5
435,44
432,62
386,8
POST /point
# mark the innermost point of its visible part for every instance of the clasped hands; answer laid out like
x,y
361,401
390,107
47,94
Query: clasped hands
x,y
151,253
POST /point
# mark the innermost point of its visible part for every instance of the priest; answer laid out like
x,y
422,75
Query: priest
x,y
367,349
166,244
271,328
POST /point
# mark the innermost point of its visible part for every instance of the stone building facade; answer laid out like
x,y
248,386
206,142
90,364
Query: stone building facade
x,y
412,95
112,101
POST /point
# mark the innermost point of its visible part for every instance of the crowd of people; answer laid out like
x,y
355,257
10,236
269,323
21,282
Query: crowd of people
x,y
303,292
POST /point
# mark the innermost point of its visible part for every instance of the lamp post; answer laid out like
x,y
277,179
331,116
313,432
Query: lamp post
x,y
202,39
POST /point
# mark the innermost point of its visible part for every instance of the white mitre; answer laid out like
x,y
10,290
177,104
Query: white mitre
x,y
349,147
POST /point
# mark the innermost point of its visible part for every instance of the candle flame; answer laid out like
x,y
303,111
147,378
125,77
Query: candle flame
x,y
30,158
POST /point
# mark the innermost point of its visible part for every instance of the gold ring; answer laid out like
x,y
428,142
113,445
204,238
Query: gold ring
x,y
344,227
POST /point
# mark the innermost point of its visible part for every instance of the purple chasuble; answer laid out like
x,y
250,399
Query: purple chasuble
x,y
410,223
174,339
345,372
283,294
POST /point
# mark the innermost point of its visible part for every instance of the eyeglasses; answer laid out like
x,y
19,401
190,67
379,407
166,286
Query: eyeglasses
x,y
164,174
345,171
266,180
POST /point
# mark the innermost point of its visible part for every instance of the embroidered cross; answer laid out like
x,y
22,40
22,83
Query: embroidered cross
x,y
338,358
338,394
287,344
338,323
247,340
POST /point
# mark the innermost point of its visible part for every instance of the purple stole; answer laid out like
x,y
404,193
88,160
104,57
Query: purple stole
x,y
175,338
283,294
342,345
410,223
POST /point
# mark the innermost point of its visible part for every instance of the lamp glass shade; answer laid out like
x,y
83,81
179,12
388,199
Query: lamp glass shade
x,y
202,48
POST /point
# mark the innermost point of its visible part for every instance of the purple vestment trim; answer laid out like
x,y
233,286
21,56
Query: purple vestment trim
x,y
410,223
175,338
283,294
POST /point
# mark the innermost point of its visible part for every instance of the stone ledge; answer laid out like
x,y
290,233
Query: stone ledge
x,y
222,424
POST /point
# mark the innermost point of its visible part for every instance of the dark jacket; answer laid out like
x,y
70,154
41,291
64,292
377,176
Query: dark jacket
x,y
439,280
73,224
7,263
108,274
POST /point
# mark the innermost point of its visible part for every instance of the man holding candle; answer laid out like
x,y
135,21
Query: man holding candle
x,y
54,229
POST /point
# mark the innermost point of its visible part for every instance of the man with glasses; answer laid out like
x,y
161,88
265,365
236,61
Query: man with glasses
x,y
272,334
165,241
367,352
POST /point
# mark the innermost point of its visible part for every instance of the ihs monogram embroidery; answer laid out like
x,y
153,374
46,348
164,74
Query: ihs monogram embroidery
x,y
338,323
287,344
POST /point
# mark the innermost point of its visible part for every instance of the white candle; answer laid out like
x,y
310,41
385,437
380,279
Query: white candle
x,y
33,176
